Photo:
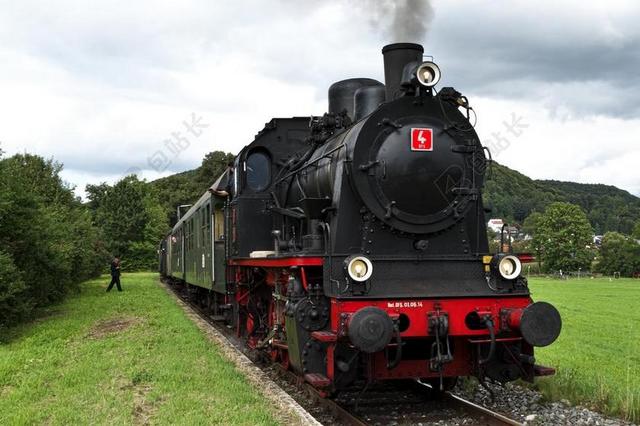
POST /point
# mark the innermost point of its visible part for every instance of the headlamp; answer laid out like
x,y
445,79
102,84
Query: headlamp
x,y
508,266
359,268
428,74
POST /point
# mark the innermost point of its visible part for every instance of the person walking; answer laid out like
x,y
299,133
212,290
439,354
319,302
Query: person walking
x,y
115,274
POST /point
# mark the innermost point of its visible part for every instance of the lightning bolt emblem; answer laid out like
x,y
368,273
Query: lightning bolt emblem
x,y
421,137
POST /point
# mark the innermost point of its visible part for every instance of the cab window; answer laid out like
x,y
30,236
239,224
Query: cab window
x,y
258,171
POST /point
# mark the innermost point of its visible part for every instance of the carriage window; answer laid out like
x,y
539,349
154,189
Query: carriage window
x,y
258,171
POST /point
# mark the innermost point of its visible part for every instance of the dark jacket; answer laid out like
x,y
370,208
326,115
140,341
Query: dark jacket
x,y
115,268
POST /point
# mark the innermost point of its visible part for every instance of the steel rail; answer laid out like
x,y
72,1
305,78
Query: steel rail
x,y
342,415
500,418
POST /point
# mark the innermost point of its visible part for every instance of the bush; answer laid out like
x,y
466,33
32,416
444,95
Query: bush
x,y
619,253
49,244
131,219
14,302
564,236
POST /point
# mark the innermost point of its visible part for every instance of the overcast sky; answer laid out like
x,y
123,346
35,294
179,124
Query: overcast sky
x,y
110,87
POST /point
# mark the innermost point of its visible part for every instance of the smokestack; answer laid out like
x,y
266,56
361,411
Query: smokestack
x,y
396,56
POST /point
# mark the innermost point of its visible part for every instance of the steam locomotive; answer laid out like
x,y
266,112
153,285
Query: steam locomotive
x,y
353,246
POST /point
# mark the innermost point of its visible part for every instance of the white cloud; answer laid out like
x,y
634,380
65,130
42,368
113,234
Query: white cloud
x,y
566,147
100,86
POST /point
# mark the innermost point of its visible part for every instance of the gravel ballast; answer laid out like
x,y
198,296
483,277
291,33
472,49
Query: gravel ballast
x,y
529,407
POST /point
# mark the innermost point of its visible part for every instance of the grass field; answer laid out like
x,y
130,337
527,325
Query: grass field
x,y
121,358
598,352
134,357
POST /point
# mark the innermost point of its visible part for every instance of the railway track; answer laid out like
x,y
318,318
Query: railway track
x,y
381,404
492,416
413,403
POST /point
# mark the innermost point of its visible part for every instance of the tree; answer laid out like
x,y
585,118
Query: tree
x,y
619,253
96,195
213,165
636,231
131,219
14,301
530,224
47,240
564,236
530,227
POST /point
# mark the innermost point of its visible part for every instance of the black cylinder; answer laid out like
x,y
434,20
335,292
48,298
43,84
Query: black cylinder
x,y
396,56
367,99
370,329
341,94
540,324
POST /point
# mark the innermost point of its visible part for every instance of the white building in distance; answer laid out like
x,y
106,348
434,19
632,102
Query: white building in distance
x,y
495,225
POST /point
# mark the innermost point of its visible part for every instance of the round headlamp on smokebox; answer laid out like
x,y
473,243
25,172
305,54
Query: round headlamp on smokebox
x,y
358,268
428,74
507,265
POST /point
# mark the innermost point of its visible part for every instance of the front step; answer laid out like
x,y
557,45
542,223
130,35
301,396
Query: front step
x,y
541,370
217,318
319,381
324,336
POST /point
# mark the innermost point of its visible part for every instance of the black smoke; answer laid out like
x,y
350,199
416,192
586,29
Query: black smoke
x,y
399,20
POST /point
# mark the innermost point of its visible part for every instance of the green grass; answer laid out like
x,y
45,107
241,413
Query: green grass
x,y
74,365
598,351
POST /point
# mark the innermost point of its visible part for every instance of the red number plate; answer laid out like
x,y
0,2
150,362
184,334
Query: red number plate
x,y
421,139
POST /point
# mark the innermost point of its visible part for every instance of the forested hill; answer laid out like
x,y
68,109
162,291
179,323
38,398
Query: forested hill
x,y
514,196
511,195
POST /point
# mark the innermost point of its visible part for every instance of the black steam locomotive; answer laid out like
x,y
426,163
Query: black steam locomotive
x,y
353,245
